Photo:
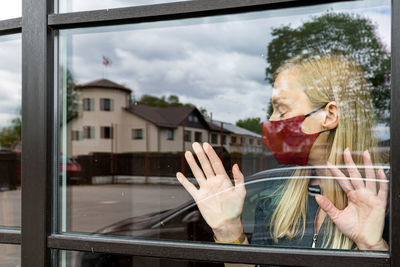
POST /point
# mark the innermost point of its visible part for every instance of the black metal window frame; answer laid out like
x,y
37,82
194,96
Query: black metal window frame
x,y
38,235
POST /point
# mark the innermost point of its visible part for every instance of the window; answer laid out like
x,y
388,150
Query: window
x,y
220,55
76,135
188,136
198,137
106,104
223,139
106,132
214,138
137,133
88,132
233,139
251,141
243,140
88,104
170,134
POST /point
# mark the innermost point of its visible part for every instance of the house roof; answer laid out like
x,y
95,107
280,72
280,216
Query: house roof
x,y
234,129
103,83
170,117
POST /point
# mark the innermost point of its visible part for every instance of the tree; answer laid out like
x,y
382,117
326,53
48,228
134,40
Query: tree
x,y
251,124
11,134
350,35
162,102
72,97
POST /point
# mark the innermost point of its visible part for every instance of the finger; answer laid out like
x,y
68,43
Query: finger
x,y
205,163
383,186
370,184
352,169
216,162
239,180
192,190
197,172
342,180
327,206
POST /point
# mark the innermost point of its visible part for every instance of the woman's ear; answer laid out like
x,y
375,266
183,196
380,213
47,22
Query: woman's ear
x,y
331,119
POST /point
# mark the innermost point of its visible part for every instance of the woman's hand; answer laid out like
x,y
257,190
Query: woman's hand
x,y
364,217
219,201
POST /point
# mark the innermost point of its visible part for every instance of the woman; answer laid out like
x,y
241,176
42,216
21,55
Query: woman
x,y
322,115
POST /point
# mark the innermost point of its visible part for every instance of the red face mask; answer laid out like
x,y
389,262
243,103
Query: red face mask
x,y
287,142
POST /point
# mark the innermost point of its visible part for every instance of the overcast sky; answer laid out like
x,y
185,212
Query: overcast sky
x,y
216,63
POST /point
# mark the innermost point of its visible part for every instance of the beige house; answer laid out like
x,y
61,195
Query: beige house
x,y
108,122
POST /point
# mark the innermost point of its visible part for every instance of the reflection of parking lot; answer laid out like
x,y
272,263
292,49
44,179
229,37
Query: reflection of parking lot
x,y
10,256
96,206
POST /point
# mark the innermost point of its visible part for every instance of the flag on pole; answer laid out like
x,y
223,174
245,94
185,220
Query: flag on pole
x,y
106,61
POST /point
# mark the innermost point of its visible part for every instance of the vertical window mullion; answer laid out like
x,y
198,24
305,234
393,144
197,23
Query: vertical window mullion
x,y
37,131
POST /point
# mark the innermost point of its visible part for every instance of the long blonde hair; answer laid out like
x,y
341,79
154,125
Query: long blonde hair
x,y
324,79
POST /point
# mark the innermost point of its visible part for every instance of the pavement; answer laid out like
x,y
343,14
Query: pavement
x,y
91,207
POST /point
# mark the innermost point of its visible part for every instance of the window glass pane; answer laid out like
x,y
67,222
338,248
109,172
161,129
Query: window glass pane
x,y
75,5
89,259
296,95
10,130
10,255
10,9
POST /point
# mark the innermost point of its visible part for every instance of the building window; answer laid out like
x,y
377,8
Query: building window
x,y
137,133
106,132
76,135
170,134
188,136
190,117
214,138
259,142
88,132
251,141
233,139
198,137
106,104
223,139
88,104
242,140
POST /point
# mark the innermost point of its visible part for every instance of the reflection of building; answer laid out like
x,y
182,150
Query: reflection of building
x,y
107,122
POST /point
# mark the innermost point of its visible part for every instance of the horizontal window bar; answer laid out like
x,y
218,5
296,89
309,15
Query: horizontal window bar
x,y
8,236
170,11
218,253
10,26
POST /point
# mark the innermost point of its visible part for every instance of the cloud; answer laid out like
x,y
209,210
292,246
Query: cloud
x,y
214,62
10,79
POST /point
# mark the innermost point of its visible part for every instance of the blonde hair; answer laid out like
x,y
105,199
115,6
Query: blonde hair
x,y
324,79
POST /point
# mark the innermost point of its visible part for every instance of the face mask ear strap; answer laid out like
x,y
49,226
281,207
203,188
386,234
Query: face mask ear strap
x,y
316,110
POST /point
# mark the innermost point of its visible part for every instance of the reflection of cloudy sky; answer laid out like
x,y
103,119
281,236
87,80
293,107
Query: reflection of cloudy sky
x,y
10,78
10,9
216,63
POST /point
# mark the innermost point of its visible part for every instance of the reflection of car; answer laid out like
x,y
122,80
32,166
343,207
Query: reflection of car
x,y
181,223
73,169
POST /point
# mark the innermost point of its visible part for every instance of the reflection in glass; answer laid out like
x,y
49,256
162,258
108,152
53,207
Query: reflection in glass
x,y
10,255
10,9
135,98
89,259
10,130
74,5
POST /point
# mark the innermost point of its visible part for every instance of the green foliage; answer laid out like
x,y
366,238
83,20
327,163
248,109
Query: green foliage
x,y
11,134
346,34
251,124
162,102
72,97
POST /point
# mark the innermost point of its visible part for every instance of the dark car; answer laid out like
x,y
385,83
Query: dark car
x,y
181,223
72,169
